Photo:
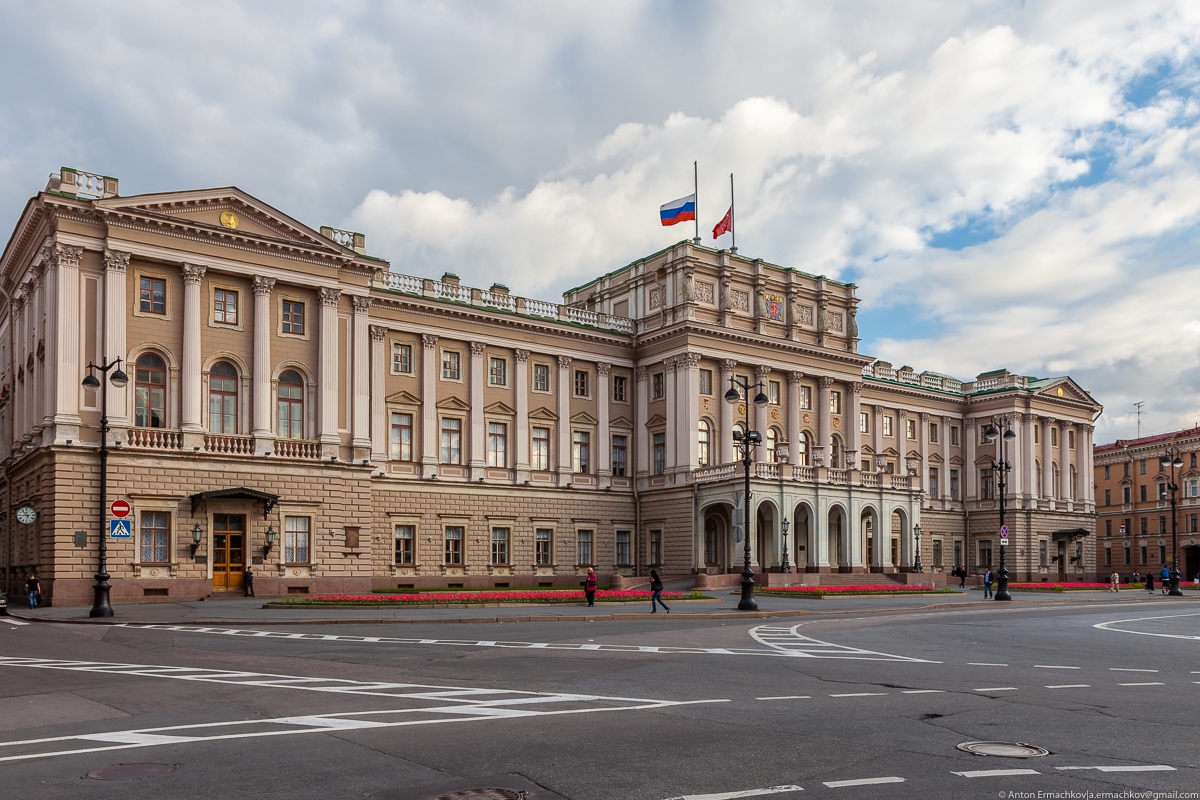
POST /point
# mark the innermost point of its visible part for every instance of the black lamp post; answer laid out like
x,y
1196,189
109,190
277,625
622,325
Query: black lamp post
x,y
1001,467
917,558
1170,458
740,388
100,605
787,568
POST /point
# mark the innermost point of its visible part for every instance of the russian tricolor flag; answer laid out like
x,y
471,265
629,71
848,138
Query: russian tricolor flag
x,y
676,211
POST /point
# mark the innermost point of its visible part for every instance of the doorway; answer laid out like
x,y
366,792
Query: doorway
x,y
1191,561
229,550
1062,559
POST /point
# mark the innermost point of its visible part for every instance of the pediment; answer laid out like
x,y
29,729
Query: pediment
x,y
583,418
453,404
867,450
914,454
621,422
936,458
656,420
956,460
500,408
404,398
1066,389
891,451
543,413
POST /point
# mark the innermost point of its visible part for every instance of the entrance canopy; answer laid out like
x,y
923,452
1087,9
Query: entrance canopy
x,y
239,493
1074,534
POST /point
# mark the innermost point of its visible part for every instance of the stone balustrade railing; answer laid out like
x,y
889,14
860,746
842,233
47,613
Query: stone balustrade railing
x,y
773,471
155,439
298,448
710,474
229,445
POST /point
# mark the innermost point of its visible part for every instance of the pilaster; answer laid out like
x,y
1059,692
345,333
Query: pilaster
x,y
261,427
521,392
379,417
429,426
328,384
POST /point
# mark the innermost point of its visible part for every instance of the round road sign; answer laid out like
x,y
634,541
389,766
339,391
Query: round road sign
x,y
120,509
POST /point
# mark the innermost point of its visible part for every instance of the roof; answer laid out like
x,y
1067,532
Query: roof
x,y
1121,444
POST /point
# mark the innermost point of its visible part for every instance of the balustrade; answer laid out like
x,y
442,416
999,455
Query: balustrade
x,y
154,439
298,448
229,445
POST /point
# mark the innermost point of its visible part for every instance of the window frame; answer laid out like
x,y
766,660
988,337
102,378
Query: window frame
x,y
619,559
411,549
581,451
889,426
501,547
497,371
443,431
160,543
534,440
620,389
393,427
543,547
450,365
399,348
623,462
704,443
291,403
222,302
295,549
585,540
451,552
581,384
141,275
658,451
236,394
284,313
150,387
705,381
658,386
497,454
540,369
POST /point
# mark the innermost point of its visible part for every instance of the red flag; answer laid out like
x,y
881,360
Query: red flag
x,y
725,225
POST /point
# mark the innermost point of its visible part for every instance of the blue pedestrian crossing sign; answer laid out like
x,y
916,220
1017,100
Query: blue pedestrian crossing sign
x,y
120,529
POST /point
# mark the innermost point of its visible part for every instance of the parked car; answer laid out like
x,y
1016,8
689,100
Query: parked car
x,y
3,604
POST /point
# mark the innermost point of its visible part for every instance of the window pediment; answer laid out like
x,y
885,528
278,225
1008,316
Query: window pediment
x,y
544,414
584,419
404,398
453,404
500,409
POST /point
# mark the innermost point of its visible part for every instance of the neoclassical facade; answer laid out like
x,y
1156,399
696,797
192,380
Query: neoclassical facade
x,y
297,407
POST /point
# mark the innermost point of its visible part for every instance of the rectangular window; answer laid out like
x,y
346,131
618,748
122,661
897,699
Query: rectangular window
x,y
580,455
985,553
953,484
657,386
1142,467
953,434
660,453
1043,553
451,440
620,456
225,306
497,371
1126,466
656,548
1162,525
583,543
497,445
451,365
402,433
543,538
1127,527
153,296
539,456
453,549
500,545
1162,554
156,537
1108,556
1071,439
958,553
618,388
1193,520
1107,472
887,425
1143,554
933,432
1145,523
773,392
937,553
581,383
1162,490
706,381
541,377
933,483
1053,437
295,540
1142,493
352,533
911,429
293,317
835,402
1037,437
1108,497
987,489
864,422
1108,527
405,535
806,397
622,548
1128,560
1125,497
401,358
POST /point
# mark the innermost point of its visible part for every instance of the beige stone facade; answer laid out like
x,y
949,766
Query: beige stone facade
x,y
389,430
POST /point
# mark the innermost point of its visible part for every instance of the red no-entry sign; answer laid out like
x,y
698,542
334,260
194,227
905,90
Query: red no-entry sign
x,y
120,509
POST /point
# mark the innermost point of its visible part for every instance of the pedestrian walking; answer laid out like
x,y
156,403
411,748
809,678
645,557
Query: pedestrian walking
x,y
656,586
248,582
1164,579
961,572
1136,577
987,584
33,589
1116,583
1150,582
589,587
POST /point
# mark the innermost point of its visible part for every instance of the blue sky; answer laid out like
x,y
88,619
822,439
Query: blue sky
x,y
1009,184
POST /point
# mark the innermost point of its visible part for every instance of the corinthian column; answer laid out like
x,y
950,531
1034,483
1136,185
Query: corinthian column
x,y
603,445
793,416
264,436
477,461
193,431
564,420
824,422
521,392
379,420
328,383
429,427
361,422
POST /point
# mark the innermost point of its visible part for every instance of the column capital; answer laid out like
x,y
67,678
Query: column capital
x,y
477,349
924,416
430,340
193,273
564,362
263,286
761,372
1027,419
878,410
521,355
728,365
61,255
795,376
641,373
825,382
855,387
901,414
378,333
115,260
361,304
602,368
329,297
969,423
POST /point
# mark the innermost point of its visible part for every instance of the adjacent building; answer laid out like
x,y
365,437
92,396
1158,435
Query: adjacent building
x,y
296,406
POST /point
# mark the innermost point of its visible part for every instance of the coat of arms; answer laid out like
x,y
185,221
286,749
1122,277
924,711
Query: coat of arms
x,y
774,308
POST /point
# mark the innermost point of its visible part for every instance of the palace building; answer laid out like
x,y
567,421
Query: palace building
x,y
296,406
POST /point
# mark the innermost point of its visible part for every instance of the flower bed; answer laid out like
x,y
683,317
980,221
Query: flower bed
x,y
849,591
481,598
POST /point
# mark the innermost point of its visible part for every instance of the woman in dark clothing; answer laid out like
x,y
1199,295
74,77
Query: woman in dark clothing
x,y
589,587
1150,582
656,586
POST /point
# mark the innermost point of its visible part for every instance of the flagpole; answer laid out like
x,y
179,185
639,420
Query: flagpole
x,y
696,193
732,216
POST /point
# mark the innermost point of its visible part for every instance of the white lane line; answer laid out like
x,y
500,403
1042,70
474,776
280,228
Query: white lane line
x,y
1070,686
1104,626
995,773
1052,666
1124,669
863,782
12,621
860,694
984,664
1141,768
743,793
787,697
1152,683
998,689
923,691
789,640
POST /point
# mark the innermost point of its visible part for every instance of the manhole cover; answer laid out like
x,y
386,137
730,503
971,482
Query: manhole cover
x,y
484,794
129,772
1004,749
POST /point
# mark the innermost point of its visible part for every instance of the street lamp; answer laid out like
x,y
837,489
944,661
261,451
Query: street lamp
x,y
739,388
270,541
197,535
1170,458
917,559
100,605
1001,467
787,568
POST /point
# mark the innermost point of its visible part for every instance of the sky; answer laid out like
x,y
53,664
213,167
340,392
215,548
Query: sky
x,y
1009,184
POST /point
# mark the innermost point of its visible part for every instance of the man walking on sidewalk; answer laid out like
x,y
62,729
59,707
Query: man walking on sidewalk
x,y
987,584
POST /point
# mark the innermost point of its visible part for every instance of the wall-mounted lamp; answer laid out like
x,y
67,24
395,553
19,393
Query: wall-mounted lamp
x,y
196,536
270,541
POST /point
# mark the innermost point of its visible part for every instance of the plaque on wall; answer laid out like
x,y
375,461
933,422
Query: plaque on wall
x,y
256,560
201,559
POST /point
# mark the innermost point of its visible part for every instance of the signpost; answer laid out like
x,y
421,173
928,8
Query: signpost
x,y
120,529
1122,528
120,509
1003,535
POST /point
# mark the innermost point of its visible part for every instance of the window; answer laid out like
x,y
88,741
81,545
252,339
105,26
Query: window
x,y
222,398
806,397
706,381
954,435
835,402
953,484
402,435
1143,554
583,548
539,457
622,548
1142,467
401,358
1037,437
541,377
293,317
887,425
581,383
497,371
1125,496
152,295
619,456
1071,439
656,548
1043,553
805,448
1127,526
1145,523
618,388
1193,461
835,453
497,445
772,441
150,391
1108,497
1126,466
156,537
290,406
451,365
1053,436
710,542
987,489
542,538
660,453
1108,527
580,456
937,553
1193,520
933,483
1162,490
453,545
958,553
704,439
864,422
985,553
1107,472
933,432
451,440
1108,556
225,306
911,426
1128,560
500,545
295,540
773,392
1162,554
657,386
1142,493
405,534
1162,525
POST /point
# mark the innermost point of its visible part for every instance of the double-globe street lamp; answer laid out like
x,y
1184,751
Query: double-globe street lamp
x,y
917,558
786,568
1001,467
739,388
1170,458
100,605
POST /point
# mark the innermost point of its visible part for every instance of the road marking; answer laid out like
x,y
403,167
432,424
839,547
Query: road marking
x,y
1104,626
863,782
1152,683
787,697
983,664
1052,666
998,689
789,640
1070,686
995,773
12,621
860,694
743,793
923,691
1123,669
1142,768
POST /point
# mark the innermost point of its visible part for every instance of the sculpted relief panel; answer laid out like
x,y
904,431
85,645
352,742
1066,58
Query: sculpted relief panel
x,y
739,300
704,292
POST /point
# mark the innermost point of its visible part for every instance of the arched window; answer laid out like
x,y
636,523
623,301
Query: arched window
x,y
1074,479
704,437
772,441
222,398
150,391
290,408
835,453
805,451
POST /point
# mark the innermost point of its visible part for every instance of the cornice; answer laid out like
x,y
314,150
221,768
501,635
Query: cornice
x,y
855,360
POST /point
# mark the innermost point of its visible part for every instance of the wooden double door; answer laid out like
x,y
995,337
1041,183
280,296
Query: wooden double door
x,y
228,550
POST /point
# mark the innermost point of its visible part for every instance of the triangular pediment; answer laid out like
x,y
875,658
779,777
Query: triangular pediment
x,y
656,420
500,408
914,454
583,418
405,398
453,404
1066,389
935,458
891,451
955,460
543,413
621,422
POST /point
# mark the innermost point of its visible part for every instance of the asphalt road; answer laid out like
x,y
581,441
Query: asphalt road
x,y
833,705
